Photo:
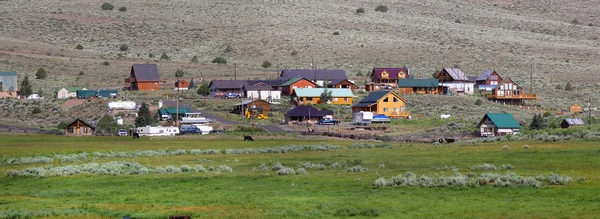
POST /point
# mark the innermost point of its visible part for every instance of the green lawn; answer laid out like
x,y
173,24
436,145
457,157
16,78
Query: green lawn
x,y
249,192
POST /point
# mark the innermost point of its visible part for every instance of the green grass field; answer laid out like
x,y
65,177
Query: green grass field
x,y
249,192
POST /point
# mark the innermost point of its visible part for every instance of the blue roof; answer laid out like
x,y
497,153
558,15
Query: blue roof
x,y
485,75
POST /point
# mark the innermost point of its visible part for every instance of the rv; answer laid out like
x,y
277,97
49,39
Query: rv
x,y
363,118
194,118
157,131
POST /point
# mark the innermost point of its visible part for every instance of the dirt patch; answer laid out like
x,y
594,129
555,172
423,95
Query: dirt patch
x,y
71,103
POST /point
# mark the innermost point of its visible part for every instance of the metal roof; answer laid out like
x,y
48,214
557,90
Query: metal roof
x,y
145,72
430,82
320,74
73,89
574,121
261,88
293,80
457,74
392,72
316,92
171,111
502,121
485,75
228,84
308,111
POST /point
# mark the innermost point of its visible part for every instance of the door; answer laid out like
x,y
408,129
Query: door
x,y
77,131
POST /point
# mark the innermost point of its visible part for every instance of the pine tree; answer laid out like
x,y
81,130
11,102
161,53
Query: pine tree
x,y
144,118
41,74
568,87
325,96
195,59
179,73
204,90
106,125
359,73
26,87
192,85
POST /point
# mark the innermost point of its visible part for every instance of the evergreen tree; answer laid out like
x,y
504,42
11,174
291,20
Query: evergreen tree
x,y
26,87
204,90
106,126
179,73
40,92
359,73
326,96
41,74
538,122
165,57
568,87
266,64
144,118
195,59
192,85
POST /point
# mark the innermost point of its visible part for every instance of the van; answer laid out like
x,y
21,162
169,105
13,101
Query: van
x,y
189,129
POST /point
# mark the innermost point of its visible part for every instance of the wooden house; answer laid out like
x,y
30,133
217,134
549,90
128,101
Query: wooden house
x,y
418,86
321,77
303,96
8,82
143,77
182,85
254,106
343,83
306,115
79,128
569,122
68,92
509,92
493,124
388,77
575,108
454,81
383,102
288,87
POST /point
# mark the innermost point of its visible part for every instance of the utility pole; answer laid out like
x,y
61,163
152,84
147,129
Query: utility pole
x,y
589,106
531,80
177,105
234,71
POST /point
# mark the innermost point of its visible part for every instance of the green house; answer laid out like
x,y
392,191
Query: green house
x,y
167,113
497,124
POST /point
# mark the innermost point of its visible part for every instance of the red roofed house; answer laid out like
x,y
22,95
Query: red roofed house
x,y
288,87
389,76
143,77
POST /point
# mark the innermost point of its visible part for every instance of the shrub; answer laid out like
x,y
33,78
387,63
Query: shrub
x,y
294,53
506,167
105,63
380,182
478,102
359,73
195,59
335,165
505,147
124,47
381,165
266,64
228,49
150,55
219,60
568,87
123,9
381,8
263,167
558,87
41,74
357,169
360,10
160,170
286,171
336,33
36,110
199,169
361,145
79,47
186,168
107,6
525,146
165,57
457,21
546,114
225,168
81,73
301,171
575,21
555,179
484,166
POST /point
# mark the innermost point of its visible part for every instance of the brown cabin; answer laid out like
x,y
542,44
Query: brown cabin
x,y
342,83
575,108
182,84
79,128
143,77
258,106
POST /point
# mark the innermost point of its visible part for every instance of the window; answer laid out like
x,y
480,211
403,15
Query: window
x,y
385,100
70,129
335,99
161,131
487,129
395,110
345,98
309,86
396,99
309,99
85,129
385,110
494,77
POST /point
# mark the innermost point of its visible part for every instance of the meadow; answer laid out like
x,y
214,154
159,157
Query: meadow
x,y
292,177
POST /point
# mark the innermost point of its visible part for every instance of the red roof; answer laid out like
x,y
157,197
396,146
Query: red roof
x,y
392,72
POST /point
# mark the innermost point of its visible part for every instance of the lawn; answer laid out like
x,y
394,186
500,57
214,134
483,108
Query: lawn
x,y
251,192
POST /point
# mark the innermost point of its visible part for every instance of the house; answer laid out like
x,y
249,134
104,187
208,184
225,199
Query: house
x,y
68,92
494,124
275,84
79,128
487,80
575,108
261,91
143,77
509,92
182,85
219,88
8,81
418,86
387,103
370,87
254,106
319,76
306,114
340,96
86,94
288,87
169,113
343,83
568,122
388,77
454,81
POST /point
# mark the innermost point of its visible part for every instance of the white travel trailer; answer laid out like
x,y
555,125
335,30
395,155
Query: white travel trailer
x,y
194,118
363,118
122,105
157,131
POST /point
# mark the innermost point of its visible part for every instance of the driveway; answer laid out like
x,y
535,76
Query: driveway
x,y
221,120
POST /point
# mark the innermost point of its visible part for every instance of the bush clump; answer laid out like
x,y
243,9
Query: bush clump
x,y
485,166
107,6
79,47
381,8
360,10
356,169
123,9
123,47
219,60
286,171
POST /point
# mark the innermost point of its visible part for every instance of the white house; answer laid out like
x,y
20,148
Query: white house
x,y
68,92
261,92
455,81
493,124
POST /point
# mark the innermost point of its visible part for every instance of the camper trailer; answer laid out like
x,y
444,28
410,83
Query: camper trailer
x,y
157,131
363,118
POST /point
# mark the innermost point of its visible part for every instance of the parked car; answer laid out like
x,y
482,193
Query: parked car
x,y
122,132
189,130
328,122
232,96
217,132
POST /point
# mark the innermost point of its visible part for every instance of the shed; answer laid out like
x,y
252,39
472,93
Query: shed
x,y
568,122
85,94
68,92
258,105
575,108
79,128
495,124
303,114
182,84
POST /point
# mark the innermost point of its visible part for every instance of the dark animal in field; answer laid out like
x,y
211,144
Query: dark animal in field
x,y
311,130
247,137
180,217
136,135
449,140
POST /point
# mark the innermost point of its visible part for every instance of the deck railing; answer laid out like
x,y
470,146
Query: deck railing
x,y
522,96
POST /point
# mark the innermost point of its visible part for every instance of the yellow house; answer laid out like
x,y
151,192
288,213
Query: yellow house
x,y
383,102
303,96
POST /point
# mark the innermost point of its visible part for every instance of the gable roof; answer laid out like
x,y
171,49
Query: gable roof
x,y
145,72
246,102
225,84
373,97
430,82
309,74
73,89
485,74
456,74
308,111
294,80
392,72
573,121
267,82
171,111
501,120
337,81
84,122
316,92
504,81
261,88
